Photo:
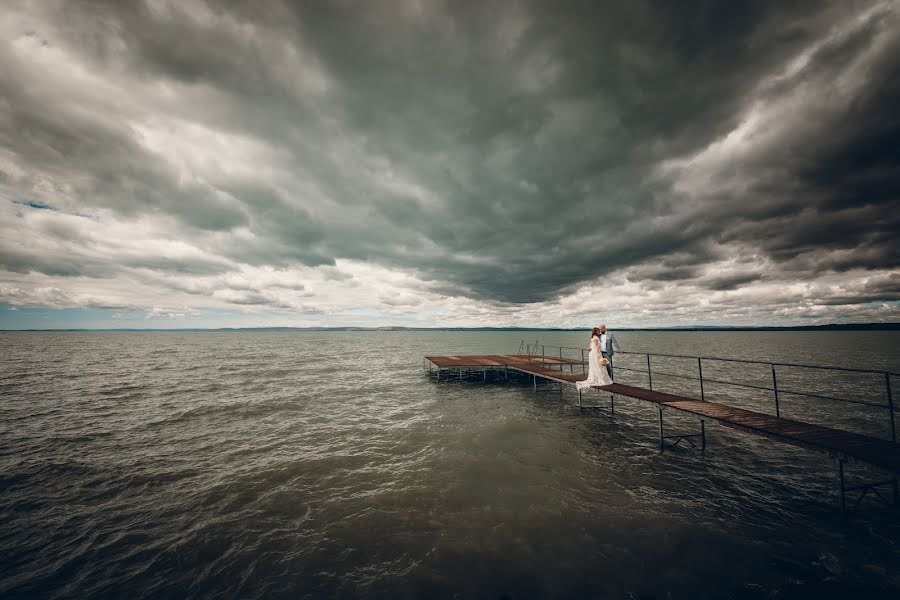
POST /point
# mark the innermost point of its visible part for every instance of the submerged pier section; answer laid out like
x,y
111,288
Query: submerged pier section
x,y
840,445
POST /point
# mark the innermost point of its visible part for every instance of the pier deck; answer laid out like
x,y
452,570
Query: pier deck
x,y
838,443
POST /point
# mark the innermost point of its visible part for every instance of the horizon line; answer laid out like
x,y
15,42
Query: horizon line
x,y
842,326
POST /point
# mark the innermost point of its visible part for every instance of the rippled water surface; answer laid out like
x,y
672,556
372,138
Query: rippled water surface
x,y
258,464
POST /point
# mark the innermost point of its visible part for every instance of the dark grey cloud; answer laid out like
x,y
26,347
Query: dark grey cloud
x,y
732,282
503,151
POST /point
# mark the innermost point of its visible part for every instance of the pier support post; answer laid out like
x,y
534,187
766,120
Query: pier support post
x,y
439,375
681,437
484,374
859,491
579,399
460,373
890,401
841,488
534,381
612,405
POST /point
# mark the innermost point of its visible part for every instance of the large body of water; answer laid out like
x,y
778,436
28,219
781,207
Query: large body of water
x,y
252,464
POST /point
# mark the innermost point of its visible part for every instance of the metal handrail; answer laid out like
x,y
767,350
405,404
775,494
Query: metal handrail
x,y
759,387
741,360
889,406
529,348
764,362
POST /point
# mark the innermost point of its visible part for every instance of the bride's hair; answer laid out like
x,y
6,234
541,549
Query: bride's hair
x,y
595,331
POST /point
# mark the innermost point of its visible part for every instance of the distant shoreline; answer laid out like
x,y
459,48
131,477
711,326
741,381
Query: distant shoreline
x,y
828,327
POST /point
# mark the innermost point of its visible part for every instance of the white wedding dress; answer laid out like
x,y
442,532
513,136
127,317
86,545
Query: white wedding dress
x,y
597,374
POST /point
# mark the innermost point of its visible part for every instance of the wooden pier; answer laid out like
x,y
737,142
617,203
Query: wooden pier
x,y
839,444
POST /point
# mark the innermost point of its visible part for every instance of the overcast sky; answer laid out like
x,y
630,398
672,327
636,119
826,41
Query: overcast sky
x,y
192,164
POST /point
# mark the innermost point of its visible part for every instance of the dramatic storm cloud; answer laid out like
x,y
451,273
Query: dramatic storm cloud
x,y
452,163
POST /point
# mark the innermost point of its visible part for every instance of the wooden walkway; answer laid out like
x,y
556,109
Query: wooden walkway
x,y
835,442
541,366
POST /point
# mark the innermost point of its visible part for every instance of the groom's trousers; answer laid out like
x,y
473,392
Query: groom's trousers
x,y
609,366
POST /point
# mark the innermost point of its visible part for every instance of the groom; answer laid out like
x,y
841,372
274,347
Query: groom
x,y
608,343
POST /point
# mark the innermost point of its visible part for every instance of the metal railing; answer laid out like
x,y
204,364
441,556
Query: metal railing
x,y
776,391
532,350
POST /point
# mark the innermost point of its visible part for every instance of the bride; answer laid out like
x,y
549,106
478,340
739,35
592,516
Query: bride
x,y
597,374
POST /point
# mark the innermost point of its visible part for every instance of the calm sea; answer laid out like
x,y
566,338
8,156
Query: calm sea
x,y
250,465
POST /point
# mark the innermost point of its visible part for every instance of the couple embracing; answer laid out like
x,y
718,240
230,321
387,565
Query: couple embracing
x,y
599,359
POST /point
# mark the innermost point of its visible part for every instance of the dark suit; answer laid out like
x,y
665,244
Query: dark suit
x,y
608,353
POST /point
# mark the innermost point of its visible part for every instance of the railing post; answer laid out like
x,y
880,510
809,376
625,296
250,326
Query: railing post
x,y
775,389
583,369
650,380
700,369
662,440
887,385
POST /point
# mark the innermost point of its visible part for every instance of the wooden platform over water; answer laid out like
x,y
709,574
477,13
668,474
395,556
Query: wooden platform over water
x,y
542,366
841,444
